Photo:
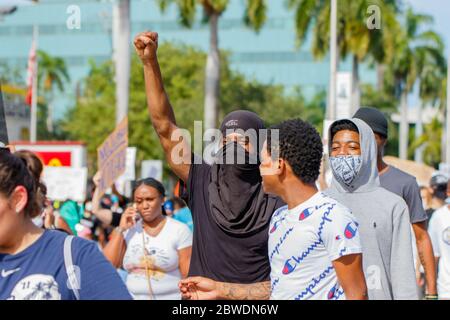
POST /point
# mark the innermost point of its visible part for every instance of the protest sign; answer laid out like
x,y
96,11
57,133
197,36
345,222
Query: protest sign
x,y
65,183
112,156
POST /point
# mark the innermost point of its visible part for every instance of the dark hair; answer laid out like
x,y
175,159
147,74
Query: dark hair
x,y
178,201
342,125
150,182
301,146
14,172
35,166
440,191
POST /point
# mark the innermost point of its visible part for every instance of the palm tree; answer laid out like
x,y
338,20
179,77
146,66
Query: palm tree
x,y
255,16
412,45
430,141
354,37
52,72
432,72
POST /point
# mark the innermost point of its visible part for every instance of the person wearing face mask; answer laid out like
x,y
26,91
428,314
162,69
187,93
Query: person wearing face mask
x,y
383,216
154,249
314,245
230,210
439,230
405,186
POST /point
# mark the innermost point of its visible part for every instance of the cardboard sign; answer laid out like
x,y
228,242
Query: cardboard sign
x,y
65,183
112,155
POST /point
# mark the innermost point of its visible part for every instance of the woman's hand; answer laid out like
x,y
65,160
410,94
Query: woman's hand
x,y
128,218
96,178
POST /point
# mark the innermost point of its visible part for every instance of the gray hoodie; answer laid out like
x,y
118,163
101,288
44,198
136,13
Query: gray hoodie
x,y
384,226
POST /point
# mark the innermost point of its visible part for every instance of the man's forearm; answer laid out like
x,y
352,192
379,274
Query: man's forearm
x,y
426,256
104,215
158,103
253,291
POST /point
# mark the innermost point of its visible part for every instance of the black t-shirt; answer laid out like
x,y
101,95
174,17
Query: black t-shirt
x,y
216,254
115,221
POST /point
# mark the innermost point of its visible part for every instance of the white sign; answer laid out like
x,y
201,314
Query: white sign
x,y
111,156
343,95
445,169
152,169
130,165
65,183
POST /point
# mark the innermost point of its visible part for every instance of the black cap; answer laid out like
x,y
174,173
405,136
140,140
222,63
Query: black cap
x,y
376,120
241,119
438,180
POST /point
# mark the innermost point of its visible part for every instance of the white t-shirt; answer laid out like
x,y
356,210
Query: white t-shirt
x,y
162,251
439,230
303,242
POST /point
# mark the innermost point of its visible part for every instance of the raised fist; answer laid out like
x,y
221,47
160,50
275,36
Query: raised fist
x,y
146,45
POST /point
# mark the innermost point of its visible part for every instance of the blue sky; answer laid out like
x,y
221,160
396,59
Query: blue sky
x,y
440,10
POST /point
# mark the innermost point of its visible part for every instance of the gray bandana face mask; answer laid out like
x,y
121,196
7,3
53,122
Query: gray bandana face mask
x,y
346,167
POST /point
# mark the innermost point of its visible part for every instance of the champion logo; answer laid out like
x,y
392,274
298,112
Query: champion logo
x,y
305,214
274,227
350,230
288,268
332,292
276,224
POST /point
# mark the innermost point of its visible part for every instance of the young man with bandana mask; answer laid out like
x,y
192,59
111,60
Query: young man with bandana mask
x,y
383,216
231,212
405,186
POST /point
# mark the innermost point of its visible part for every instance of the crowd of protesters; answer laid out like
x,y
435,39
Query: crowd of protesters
x,y
263,228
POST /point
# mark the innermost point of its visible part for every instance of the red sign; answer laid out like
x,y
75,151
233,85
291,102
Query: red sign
x,y
55,158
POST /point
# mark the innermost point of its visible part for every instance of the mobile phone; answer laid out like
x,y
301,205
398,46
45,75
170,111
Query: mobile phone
x,y
138,216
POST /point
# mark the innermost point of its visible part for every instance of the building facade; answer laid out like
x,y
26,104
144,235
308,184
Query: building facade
x,y
270,56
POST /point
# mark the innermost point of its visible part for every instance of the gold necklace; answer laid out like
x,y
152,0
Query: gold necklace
x,y
147,259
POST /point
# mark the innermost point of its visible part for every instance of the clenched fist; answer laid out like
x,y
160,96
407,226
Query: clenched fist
x,y
146,45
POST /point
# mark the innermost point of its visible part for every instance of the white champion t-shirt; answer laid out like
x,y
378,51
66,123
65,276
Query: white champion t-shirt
x,y
303,242
439,230
162,251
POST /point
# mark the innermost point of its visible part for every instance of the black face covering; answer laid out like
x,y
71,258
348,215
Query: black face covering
x,y
238,202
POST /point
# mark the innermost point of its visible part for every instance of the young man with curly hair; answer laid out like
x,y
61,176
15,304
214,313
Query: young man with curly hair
x,y
314,246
